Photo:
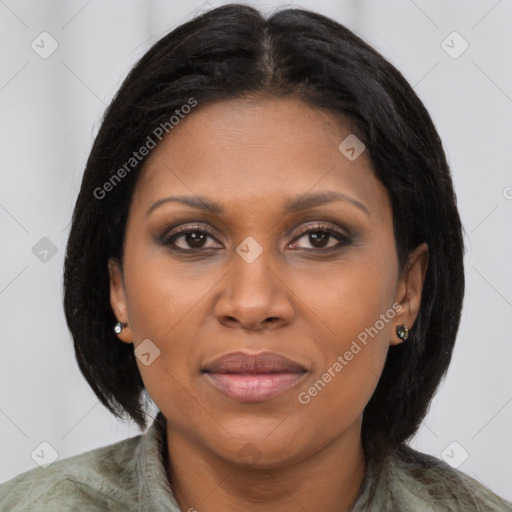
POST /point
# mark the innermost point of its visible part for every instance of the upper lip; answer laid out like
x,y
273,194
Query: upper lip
x,y
243,362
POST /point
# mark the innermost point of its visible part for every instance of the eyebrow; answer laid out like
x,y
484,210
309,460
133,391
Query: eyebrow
x,y
291,205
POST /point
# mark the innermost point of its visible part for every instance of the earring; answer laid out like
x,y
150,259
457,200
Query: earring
x,y
402,332
119,326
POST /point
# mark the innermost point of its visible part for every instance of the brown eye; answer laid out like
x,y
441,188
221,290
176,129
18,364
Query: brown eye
x,y
195,239
321,237
190,238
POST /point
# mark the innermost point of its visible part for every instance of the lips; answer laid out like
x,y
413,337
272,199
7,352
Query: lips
x,y
253,377
243,362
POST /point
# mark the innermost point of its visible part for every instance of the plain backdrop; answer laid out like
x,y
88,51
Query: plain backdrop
x,y
51,107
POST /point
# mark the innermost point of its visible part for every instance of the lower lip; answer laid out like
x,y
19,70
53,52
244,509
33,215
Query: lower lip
x,y
254,387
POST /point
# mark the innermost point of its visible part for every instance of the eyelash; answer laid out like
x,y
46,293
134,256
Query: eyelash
x,y
342,238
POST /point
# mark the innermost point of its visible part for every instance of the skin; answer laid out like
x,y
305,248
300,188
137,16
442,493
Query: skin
x,y
298,298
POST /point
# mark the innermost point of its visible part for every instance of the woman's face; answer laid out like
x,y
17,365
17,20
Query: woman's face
x,y
296,258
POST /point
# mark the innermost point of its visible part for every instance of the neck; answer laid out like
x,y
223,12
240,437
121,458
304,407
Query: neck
x,y
328,480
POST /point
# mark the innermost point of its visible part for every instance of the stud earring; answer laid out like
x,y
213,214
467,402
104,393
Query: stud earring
x,y
119,326
402,332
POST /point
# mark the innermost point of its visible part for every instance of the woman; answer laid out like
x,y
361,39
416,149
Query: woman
x,y
266,245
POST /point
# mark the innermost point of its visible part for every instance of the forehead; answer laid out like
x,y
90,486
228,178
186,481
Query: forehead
x,y
253,151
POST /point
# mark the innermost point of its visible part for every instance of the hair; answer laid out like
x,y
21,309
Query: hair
x,y
235,52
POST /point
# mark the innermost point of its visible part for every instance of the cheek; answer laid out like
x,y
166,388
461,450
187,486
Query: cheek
x,y
358,314
351,295
166,304
156,302
162,296
353,359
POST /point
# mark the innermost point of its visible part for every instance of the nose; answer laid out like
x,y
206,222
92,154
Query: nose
x,y
254,296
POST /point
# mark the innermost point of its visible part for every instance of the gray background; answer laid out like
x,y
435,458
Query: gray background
x,y
51,109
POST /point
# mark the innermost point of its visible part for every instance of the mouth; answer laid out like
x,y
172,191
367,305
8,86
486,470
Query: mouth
x,y
253,378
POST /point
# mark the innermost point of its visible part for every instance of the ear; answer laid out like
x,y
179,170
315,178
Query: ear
x,y
118,299
409,288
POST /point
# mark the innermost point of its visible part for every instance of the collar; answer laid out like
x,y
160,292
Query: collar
x,y
153,489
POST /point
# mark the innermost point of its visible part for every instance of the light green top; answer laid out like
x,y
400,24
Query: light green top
x,y
130,476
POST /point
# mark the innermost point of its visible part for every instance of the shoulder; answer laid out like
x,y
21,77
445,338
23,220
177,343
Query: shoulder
x,y
433,485
100,479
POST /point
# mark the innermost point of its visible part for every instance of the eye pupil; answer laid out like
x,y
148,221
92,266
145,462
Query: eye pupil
x,y
195,239
319,238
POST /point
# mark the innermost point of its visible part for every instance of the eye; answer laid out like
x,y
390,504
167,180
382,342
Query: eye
x,y
189,238
321,236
